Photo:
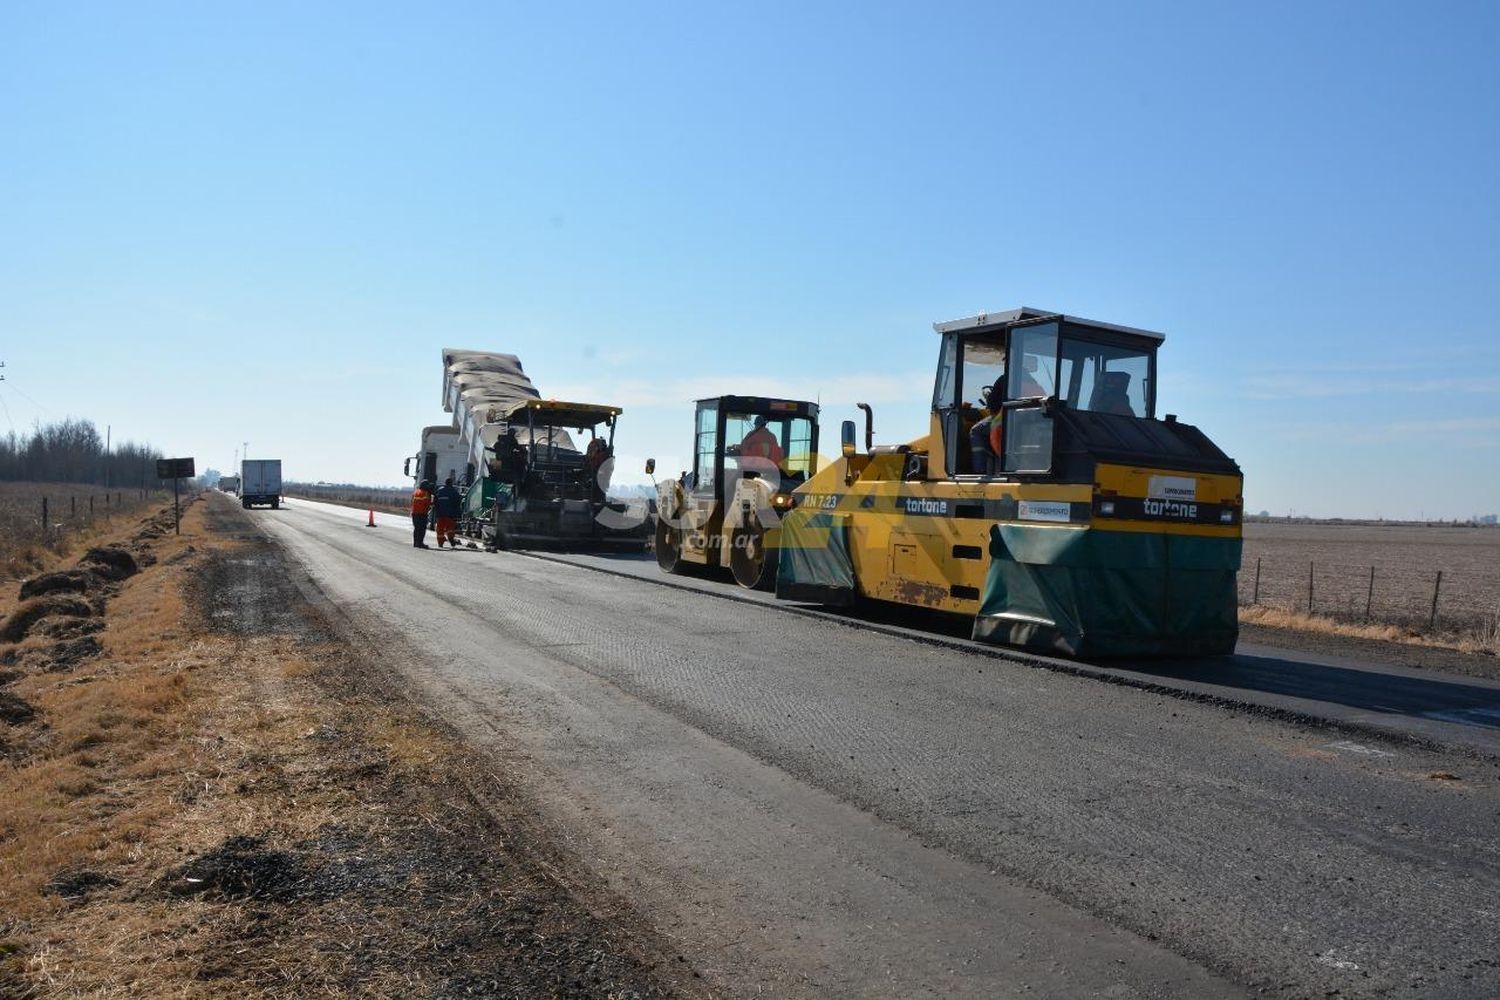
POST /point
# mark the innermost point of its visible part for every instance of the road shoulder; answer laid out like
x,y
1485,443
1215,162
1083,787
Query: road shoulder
x,y
228,796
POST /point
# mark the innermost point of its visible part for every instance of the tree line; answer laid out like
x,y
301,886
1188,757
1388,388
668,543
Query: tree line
x,y
72,451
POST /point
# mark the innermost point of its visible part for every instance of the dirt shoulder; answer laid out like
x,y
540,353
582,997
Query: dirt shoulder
x,y
217,795
1416,655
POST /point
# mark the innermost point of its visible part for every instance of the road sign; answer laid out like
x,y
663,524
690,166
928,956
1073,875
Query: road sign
x,y
174,468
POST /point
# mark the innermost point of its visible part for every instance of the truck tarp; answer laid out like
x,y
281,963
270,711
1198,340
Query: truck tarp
x,y
814,561
1085,592
478,386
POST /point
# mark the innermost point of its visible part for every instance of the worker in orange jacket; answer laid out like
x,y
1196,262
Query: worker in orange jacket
x,y
761,443
421,507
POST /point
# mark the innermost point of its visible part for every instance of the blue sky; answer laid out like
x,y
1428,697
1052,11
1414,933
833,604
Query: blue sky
x,y
261,222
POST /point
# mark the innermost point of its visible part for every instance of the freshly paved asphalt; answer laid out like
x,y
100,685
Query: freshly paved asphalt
x,y
810,805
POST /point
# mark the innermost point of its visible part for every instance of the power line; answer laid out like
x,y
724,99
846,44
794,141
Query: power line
x,y
28,399
8,420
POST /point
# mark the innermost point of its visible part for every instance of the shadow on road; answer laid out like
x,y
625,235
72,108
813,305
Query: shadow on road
x,y
1371,690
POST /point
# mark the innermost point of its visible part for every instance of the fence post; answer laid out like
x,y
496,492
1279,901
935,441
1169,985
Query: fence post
x,y
1255,597
1309,588
44,515
1436,586
1370,597
73,506
91,507
106,501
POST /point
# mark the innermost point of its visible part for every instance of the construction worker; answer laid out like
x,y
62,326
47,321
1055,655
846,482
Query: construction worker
x,y
761,443
986,431
594,459
510,461
421,507
446,503
987,436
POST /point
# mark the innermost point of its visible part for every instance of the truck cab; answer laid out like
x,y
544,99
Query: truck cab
x,y
441,455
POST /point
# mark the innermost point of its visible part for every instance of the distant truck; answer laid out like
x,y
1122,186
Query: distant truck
x,y
229,484
260,482
443,454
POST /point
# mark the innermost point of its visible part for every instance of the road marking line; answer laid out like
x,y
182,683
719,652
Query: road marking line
x,y
1349,746
1467,716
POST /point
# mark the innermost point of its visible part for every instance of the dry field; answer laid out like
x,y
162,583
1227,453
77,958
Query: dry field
x,y
391,501
71,521
1406,560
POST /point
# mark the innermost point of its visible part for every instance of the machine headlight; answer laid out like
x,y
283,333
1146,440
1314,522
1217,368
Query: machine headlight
x,y
783,501
1107,507
1227,516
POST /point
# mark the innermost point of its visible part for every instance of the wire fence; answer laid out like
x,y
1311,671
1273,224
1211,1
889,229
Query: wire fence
x,y
47,515
1420,598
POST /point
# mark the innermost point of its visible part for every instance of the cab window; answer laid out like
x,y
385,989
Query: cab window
x,y
1034,369
984,366
707,443
1106,378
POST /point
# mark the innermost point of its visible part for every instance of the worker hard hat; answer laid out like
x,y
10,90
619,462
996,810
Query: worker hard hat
x,y
425,484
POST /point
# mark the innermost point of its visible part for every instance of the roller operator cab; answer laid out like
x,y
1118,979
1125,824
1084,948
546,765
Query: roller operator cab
x,y
749,454
1046,501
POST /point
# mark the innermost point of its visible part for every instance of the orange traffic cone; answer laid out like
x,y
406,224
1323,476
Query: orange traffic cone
x,y
372,518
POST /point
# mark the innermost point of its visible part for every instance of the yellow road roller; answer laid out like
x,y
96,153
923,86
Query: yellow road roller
x,y
749,454
1047,501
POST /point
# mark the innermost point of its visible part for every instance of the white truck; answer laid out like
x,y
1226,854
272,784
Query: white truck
x,y
443,454
229,484
260,482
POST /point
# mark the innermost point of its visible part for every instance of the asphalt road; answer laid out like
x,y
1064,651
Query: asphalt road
x,y
811,806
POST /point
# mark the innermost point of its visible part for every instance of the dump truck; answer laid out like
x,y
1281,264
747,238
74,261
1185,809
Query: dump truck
x,y
548,484
749,454
229,484
260,482
1047,502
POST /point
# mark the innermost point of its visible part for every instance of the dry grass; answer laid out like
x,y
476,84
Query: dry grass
x,y
1484,641
185,746
27,546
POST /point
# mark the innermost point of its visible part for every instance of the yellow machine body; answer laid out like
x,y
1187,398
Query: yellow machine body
x,y
1092,529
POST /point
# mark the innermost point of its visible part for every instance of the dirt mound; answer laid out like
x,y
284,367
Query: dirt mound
x,y
16,627
68,654
67,628
14,711
78,884
240,868
74,581
109,562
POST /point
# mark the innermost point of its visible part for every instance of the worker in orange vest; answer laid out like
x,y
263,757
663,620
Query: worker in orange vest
x,y
761,443
421,507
